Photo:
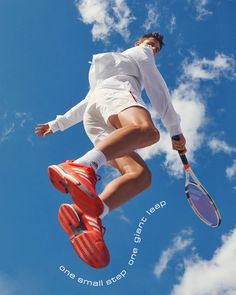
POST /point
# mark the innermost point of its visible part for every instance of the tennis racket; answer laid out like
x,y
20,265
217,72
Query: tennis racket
x,y
197,196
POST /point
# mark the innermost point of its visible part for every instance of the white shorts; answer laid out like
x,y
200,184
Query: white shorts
x,y
103,103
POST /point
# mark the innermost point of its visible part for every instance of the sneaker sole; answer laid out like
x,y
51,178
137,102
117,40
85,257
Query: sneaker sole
x,y
69,219
88,245
87,202
57,179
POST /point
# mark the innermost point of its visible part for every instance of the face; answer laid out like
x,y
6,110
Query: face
x,y
153,42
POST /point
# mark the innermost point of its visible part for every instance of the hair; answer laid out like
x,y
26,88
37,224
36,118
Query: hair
x,y
158,36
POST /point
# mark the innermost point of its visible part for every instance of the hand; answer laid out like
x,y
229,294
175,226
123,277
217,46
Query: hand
x,y
179,145
43,130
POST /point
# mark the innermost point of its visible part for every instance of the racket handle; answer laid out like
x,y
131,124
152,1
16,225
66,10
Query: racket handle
x,y
182,157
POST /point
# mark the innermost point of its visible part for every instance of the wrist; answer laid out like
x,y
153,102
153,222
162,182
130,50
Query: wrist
x,y
53,126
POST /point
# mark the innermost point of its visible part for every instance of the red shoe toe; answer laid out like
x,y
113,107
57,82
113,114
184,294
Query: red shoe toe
x,y
91,249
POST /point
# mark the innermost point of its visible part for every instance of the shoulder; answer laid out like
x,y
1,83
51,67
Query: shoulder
x,y
140,53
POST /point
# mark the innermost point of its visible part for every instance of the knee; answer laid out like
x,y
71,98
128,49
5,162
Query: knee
x,y
151,134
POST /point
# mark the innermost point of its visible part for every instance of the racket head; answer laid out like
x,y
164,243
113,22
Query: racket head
x,y
200,200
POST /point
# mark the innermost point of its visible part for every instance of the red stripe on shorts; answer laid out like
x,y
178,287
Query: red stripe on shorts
x,y
133,96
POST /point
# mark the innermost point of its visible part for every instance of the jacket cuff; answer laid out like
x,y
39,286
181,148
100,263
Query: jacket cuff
x,y
175,130
53,126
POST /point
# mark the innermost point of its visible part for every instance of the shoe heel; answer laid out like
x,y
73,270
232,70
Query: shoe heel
x,y
57,179
69,219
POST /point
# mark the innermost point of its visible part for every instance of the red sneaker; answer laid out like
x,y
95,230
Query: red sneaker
x,y
86,235
80,182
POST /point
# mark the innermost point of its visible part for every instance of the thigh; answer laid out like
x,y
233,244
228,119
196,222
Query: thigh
x,y
134,115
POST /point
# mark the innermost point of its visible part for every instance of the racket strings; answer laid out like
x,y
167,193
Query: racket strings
x,y
202,203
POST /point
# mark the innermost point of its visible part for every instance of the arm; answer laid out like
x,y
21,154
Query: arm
x,y
70,118
158,93
62,122
159,96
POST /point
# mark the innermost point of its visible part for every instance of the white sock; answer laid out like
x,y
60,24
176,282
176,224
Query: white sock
x,y
93,158
105,211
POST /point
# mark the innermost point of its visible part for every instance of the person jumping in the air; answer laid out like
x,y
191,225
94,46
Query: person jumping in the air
x,y
117,122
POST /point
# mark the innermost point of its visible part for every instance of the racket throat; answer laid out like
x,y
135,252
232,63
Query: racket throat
x,y
186,166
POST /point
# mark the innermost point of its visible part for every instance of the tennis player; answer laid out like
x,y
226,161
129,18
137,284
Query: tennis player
x,y
117,122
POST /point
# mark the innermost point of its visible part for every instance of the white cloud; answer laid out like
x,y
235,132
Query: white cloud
x,y
231,171
122,215
215,276
217,145
178,244
152,19
189,101
110,173
6,132
172,24
22,118
206,69
201,8
105,17
10,122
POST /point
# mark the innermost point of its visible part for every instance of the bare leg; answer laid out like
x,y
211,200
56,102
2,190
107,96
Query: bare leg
x,y
135,178
135,129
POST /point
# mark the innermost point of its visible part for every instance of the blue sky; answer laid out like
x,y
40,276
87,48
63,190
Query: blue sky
x,y
44,54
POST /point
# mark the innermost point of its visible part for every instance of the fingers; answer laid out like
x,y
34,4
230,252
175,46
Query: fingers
x,y
182,150
42,130
42,126
39,131
47,132
179,146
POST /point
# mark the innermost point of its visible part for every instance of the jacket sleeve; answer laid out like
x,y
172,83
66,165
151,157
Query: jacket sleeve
x,y
158,92
70,118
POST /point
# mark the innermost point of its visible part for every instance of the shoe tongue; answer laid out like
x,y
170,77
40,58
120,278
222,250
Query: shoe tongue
x,y
94,165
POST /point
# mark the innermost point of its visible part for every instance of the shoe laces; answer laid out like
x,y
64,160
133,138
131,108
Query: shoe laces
x,y
93,177
91,173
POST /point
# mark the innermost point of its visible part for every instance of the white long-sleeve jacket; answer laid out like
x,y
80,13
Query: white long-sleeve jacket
x,y
135,65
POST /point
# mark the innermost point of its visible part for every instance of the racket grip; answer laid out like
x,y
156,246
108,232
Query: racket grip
x,y
182,157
